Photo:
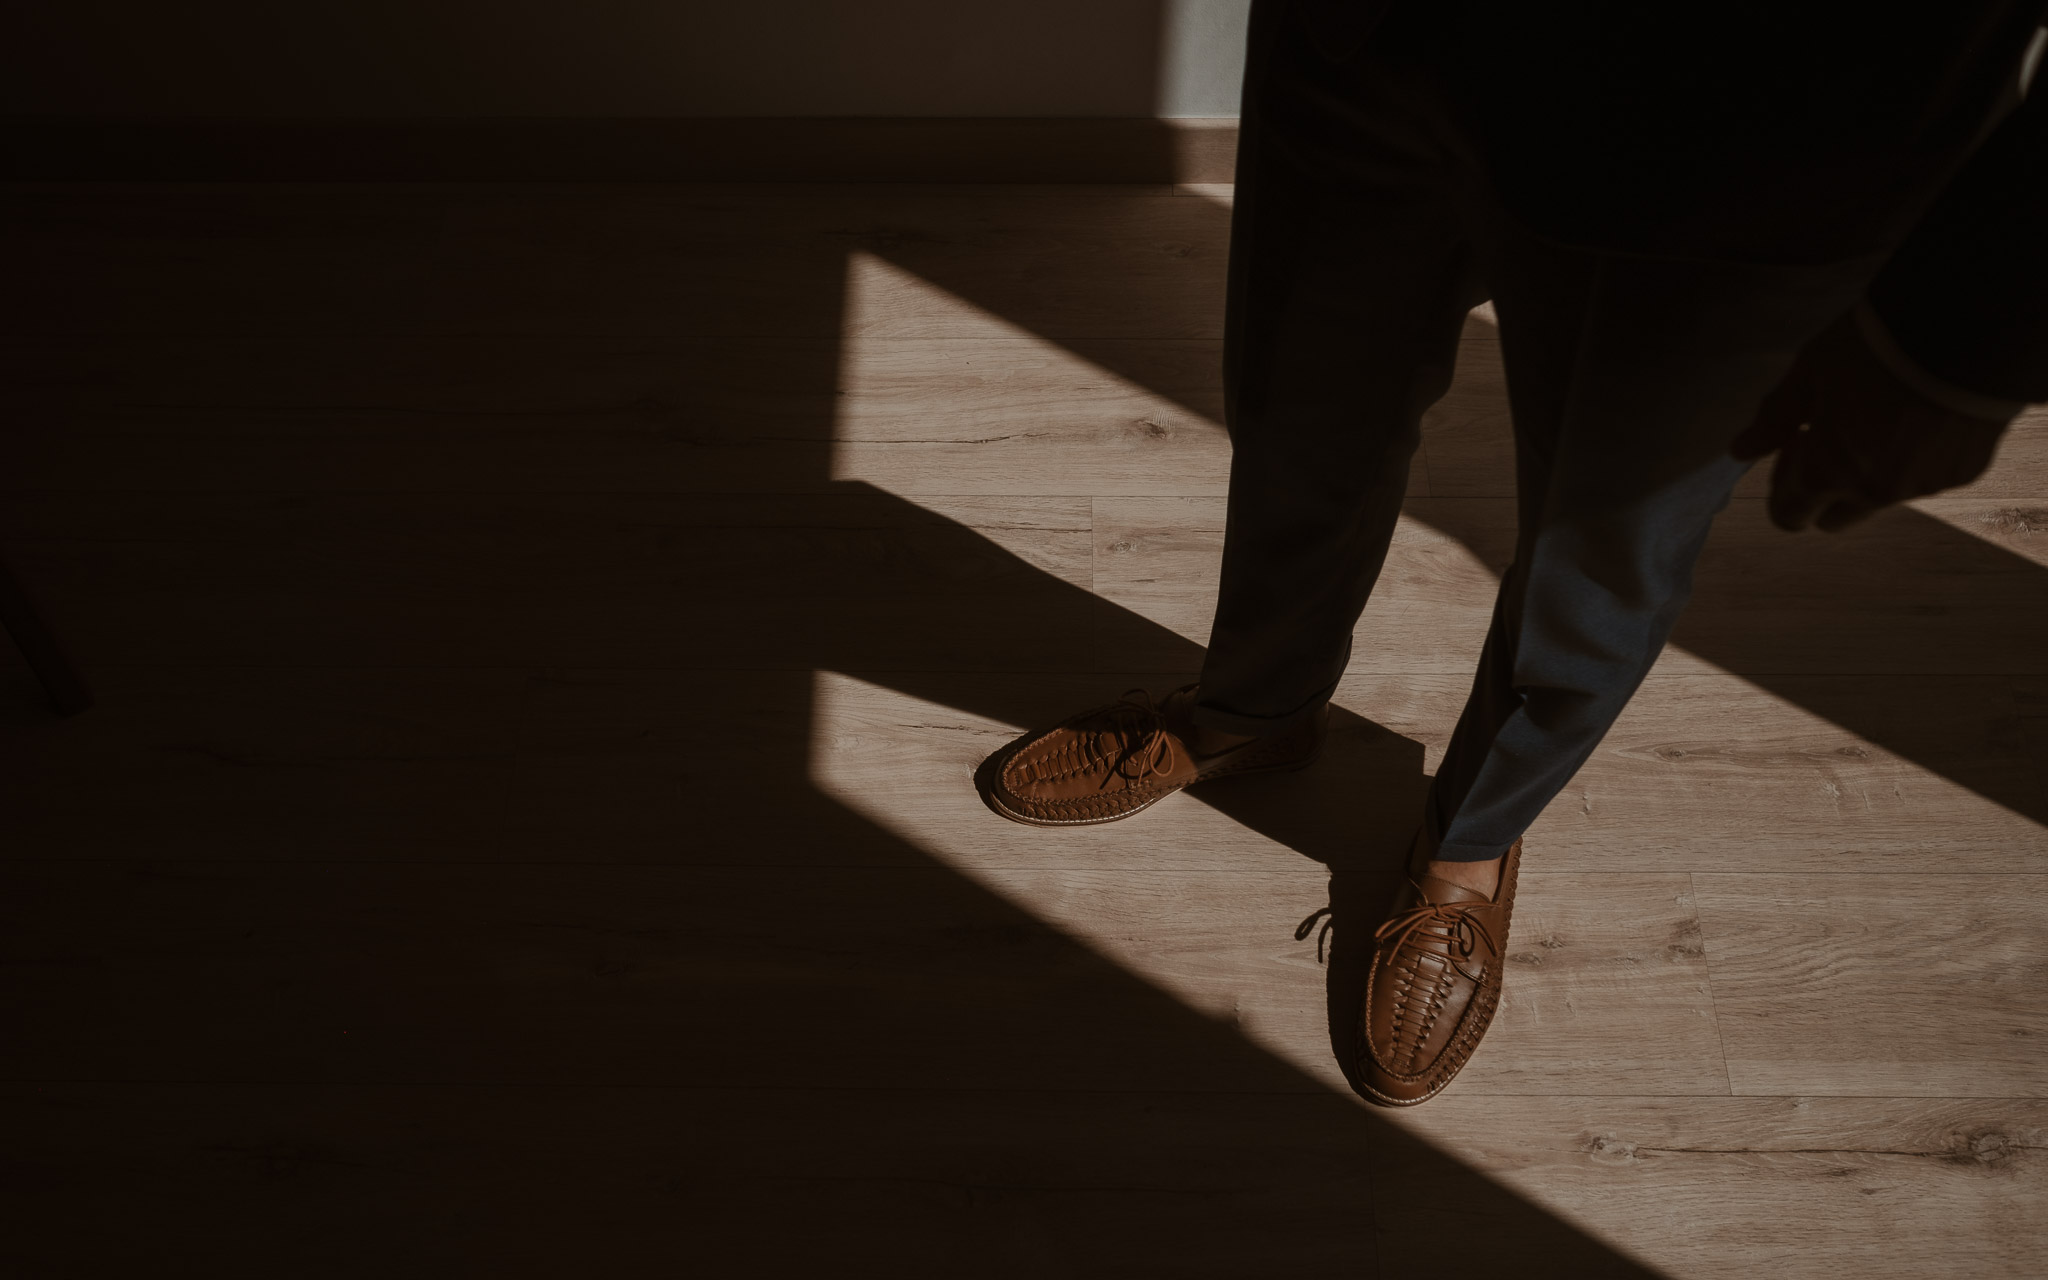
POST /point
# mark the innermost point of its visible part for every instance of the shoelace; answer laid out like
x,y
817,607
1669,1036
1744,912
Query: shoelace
x,y
1448,923
1328,917
1142,744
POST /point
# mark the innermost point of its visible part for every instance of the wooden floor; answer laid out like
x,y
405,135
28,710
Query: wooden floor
x,y
544,638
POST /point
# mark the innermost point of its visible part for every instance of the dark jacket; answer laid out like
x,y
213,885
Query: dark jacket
x,y
1792,131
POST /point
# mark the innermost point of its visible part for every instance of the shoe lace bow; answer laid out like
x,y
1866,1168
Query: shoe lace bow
x,y
1138,736
1450,925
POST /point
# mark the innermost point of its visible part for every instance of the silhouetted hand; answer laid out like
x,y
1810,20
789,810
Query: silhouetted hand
x,y
1851,437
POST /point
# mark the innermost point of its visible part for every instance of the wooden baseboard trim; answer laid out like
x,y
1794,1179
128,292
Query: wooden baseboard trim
x,y
749,149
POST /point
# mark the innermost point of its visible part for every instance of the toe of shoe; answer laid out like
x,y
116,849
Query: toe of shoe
x,y
1390,1088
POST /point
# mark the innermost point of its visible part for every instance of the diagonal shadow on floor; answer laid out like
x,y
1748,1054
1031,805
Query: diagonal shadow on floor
x,y
1788,643
795,1043
791,1036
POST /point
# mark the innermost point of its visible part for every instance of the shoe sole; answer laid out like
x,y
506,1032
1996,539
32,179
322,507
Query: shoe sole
x,y
1228,771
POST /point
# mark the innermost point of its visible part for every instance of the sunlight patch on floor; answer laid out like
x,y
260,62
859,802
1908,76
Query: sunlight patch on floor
x,y
939,396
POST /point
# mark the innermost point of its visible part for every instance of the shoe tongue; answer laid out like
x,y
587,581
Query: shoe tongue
x,y
1443,892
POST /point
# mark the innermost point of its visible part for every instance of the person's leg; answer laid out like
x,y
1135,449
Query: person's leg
x,y
1627,379
1350,275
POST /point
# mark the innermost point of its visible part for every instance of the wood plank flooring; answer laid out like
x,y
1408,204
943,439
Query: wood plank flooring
x,y
544,638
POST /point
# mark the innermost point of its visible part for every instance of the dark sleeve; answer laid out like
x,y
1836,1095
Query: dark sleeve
x,y
1966,295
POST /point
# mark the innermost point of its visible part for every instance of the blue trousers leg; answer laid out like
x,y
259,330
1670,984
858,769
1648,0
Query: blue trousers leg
x,y
1627,378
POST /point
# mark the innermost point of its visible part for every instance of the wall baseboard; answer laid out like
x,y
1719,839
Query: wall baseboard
x,y
727,149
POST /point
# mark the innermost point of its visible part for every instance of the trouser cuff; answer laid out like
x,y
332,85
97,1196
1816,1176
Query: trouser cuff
x,y
1209,712
1456,848
1472,852
1213,717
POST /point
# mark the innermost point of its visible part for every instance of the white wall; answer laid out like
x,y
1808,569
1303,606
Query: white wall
x,y
1202,57
471,58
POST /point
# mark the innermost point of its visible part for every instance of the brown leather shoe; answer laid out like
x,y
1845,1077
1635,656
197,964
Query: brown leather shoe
x,y
1109,762
1433,986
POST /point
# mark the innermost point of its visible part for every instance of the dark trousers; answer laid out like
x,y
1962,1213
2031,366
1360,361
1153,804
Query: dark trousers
x,y
1363,233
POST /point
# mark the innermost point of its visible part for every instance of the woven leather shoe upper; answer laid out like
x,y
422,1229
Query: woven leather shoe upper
x,y
1109,762
1434,985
